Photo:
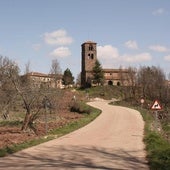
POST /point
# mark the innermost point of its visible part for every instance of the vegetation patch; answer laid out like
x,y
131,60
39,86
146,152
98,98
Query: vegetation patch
x,y
105,92
158,150
80,107
87,118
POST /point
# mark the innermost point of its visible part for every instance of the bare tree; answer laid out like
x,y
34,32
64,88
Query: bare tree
x,y
78,79
152,81
128,82
27,67
132,81
19,89
13,85
169,76
55,67
31,97
55,71
7,91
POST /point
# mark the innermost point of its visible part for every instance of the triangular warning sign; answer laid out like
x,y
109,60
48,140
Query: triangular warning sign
x,y
156,105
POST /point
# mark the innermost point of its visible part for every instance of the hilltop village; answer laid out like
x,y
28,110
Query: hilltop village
x,y
88,59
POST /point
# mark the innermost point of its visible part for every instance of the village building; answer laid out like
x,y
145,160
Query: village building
x,y
45,80
89,57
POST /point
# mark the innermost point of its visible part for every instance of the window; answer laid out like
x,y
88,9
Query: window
x,y
90,56
90,48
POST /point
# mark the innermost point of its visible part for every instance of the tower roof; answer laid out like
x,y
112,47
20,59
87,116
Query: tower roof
x,y
89,42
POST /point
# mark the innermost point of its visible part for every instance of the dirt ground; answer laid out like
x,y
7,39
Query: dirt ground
x,y
10,135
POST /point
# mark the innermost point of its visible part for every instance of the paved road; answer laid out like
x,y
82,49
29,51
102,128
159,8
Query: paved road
x,y
112,142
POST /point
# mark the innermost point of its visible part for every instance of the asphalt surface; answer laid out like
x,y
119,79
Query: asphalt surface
x,y
113,141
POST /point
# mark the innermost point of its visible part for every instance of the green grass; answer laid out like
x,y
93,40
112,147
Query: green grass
x,y
166,126
70,127
158,148
106,92
158,151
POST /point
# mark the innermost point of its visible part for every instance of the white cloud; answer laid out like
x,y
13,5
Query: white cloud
x,y
58,37
159,48
110,57
143,57
158,11
107,52
131,44
167,58
61,52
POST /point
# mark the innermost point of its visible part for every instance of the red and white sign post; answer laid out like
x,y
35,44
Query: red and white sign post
x,y
155,107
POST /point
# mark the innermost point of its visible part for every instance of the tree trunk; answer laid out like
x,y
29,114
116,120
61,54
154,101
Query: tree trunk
x,y
26,121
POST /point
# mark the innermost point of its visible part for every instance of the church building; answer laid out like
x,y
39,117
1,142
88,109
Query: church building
x,y
89,56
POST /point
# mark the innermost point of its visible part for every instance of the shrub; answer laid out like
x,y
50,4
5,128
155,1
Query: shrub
x,y
160,159
80,108
153,140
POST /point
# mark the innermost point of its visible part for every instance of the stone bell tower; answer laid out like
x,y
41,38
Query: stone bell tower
x,y
89,57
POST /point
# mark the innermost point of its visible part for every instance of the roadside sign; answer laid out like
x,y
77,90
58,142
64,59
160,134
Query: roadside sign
x,y
156,105
142,100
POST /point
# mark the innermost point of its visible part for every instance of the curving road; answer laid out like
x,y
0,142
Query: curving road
x,y
113,141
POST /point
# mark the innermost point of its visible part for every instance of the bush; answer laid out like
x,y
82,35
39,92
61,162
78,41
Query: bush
x,y
160,159
80,108
154,141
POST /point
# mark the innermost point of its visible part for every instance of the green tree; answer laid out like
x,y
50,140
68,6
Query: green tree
x,y
98,75
68,78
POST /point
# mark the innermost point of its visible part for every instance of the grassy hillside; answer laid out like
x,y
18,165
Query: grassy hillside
x,y
105,92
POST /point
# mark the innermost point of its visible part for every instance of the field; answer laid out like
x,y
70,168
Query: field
x,y
10,129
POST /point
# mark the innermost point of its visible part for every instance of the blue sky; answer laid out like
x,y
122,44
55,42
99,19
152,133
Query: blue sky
x,y
127,32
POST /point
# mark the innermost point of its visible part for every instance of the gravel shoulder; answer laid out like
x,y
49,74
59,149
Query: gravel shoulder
x,y
114,140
